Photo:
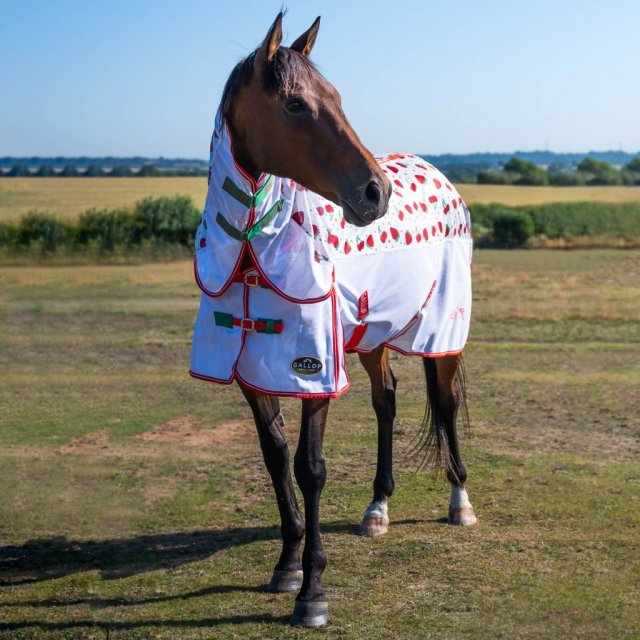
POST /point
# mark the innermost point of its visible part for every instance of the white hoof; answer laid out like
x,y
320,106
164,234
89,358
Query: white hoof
x,y
460,509
463,516
375,521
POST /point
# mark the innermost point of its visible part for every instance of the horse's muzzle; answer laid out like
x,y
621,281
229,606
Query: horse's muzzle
x,y
369,204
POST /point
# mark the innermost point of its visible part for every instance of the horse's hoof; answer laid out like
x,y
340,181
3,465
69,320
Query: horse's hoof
x,y
373,526
462,516
285,581
310,614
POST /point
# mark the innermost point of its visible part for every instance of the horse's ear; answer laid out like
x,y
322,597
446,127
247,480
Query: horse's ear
x,y
268,48
305,42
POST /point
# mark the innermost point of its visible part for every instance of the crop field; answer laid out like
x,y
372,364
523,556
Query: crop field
x,y
68,197
134,502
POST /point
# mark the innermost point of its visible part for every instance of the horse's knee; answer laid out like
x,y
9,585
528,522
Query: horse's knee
x,y
384,404
273,441
310,472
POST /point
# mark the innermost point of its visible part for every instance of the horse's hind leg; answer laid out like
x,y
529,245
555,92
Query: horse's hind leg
x,y
287,575
446,392
383,398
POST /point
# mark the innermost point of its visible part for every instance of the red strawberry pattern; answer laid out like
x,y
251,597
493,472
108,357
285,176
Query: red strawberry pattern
x,y
421,202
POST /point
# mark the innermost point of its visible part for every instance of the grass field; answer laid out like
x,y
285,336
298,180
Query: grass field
x,y
134,502
68,197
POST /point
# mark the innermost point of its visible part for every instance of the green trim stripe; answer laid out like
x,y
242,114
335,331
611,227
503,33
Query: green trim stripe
x,y
236,192
254,229
244,198
229,228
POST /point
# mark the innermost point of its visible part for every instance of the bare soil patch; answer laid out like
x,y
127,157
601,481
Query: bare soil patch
x,y
184,431
89,443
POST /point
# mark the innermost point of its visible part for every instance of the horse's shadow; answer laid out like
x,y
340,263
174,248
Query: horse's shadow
x,y
55,557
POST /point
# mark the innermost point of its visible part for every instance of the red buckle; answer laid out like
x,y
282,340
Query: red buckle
x,y
251,279
246,324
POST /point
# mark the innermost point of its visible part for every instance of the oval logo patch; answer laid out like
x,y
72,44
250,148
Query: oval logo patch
x,y
306,366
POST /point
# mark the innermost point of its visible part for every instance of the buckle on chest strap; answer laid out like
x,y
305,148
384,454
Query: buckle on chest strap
x,y
251,279
246,324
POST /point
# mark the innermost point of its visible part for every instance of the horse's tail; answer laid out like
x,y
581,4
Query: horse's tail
x,y
433,442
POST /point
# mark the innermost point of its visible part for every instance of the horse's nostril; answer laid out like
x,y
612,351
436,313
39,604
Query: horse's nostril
x,y
373,193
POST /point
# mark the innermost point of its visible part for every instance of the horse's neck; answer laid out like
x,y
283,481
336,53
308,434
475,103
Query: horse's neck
x,y
241,153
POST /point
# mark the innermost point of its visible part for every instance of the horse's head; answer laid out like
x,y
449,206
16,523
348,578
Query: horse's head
x,y
287,120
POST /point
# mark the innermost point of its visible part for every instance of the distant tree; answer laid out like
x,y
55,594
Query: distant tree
x,y
512,228
634,165
45,171
566,178
493,177
525,172
120,171
598,172
148,171
69,171
93,171
19,171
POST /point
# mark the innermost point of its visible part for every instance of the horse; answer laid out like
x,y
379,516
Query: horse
x,y
292,277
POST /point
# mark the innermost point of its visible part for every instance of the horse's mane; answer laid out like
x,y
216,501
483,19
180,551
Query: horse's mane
x,y
282,75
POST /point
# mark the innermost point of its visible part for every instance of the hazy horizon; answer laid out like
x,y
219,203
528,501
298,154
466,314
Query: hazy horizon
x,y
144,79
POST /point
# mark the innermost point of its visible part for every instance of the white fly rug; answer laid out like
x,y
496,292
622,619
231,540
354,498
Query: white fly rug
x,y
320,287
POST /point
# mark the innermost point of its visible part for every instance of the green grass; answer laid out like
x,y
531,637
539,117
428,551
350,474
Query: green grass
x,y
134,501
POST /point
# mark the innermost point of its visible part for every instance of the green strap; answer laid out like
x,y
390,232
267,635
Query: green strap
x,y
246,199
254,229
223,319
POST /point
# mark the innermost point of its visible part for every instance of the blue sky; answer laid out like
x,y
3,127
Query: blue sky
x,y
145,76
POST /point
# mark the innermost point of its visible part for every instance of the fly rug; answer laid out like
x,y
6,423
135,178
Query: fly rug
x,y
317,286
350,253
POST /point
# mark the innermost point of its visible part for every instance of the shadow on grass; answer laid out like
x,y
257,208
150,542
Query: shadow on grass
x,y
55,557
134,625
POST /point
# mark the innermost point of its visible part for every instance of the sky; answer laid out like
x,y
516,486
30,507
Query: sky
x,y
144,77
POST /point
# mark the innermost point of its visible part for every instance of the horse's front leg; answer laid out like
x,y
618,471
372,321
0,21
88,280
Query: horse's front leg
x,y
383,398
311,604
287,575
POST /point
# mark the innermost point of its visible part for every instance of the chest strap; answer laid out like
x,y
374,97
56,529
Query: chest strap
x,y
261,325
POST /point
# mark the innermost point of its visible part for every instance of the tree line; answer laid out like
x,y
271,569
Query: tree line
x,y
589,171
97,171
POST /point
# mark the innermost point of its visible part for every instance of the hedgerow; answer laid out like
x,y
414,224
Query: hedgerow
x,y
164,227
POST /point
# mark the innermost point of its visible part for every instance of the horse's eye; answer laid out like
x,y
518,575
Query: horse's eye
x,y
295,105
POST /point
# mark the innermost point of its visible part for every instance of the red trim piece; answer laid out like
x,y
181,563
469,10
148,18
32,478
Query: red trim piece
x,y
363,305
285,394
356,338
336,351
200,376
442,354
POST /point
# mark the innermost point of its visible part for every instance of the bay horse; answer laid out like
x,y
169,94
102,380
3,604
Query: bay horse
x,y
309,247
